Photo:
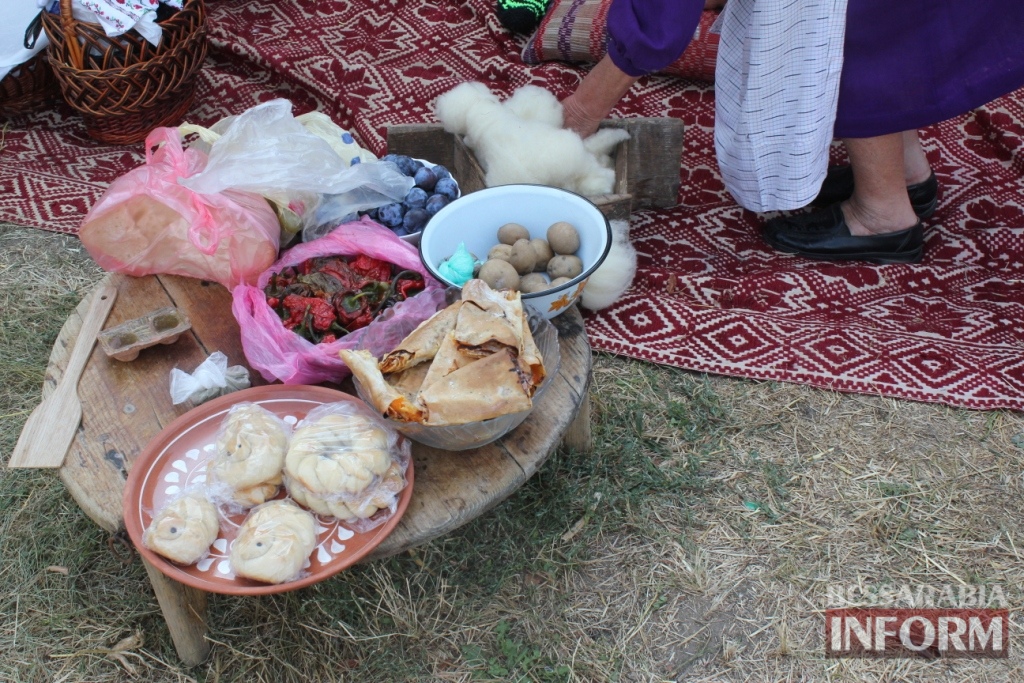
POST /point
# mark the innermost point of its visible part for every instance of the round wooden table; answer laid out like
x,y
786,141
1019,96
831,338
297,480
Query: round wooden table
x,y
125,404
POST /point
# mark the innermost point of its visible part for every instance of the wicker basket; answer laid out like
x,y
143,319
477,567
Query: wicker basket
x,y
124,87
28,87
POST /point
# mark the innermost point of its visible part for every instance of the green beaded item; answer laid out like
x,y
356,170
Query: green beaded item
x,y
521,16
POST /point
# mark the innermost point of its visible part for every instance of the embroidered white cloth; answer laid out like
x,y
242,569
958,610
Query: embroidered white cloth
x,y
119,16
776,89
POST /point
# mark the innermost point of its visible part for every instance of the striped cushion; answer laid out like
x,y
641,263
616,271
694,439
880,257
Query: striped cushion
x,y
574,31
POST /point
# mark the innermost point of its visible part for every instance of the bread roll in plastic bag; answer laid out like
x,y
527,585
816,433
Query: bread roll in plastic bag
x,y
345,462
146,223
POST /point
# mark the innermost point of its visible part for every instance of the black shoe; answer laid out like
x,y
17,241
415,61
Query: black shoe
x,y
838,187
824,235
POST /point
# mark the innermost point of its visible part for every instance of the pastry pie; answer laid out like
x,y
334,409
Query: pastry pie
x,y
338,454
482,359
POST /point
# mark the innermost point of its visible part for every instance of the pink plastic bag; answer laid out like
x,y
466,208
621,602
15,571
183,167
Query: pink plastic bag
x,y
280,354
146,223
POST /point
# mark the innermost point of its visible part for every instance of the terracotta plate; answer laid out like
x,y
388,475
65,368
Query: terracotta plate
x,y
177,458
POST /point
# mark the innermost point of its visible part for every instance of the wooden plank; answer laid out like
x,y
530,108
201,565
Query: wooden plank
x,y
614,206
578,436
216,332
51,427
653,156
468,170
621,158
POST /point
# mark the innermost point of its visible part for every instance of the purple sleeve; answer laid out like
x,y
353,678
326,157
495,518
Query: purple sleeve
x,y
647,35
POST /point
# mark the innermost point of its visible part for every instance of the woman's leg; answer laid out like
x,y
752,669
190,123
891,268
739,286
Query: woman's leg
x,y
880,203
877,223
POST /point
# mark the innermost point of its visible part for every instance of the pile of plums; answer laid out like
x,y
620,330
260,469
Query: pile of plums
x,y
433,190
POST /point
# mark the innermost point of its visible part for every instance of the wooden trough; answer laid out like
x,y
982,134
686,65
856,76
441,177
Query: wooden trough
x,y
646,165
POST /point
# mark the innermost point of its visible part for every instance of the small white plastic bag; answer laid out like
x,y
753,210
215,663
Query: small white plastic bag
x,y
211,379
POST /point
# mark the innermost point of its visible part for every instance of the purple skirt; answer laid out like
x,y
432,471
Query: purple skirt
x,y
907,64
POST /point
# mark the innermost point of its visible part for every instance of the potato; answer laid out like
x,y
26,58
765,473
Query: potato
x,y
564,266
523,257
558,282
500,251
534,282
544,253
510,233
499,274
563,238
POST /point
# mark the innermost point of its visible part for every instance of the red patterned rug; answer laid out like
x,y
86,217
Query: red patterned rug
x,y
708,295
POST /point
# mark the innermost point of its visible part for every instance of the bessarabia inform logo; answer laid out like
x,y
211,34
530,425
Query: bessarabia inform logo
x,y
917,620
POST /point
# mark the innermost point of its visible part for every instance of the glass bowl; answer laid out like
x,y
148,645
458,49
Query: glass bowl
x,y
475,434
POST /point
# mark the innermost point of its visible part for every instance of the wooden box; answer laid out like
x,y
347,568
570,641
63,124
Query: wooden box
x,y
646,165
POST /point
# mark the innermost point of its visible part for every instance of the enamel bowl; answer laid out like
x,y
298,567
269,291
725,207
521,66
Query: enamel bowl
x,y
475,218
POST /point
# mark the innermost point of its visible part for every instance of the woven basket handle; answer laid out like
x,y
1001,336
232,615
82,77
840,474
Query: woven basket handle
x,y
68,23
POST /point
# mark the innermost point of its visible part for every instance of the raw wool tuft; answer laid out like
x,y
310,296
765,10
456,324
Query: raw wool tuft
x,y
521,139
611,280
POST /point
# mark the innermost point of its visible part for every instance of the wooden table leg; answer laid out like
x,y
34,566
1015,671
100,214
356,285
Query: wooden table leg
x,y
184,611
578,437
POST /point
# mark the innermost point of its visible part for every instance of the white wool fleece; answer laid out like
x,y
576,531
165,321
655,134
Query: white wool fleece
x,y
611,280
521,140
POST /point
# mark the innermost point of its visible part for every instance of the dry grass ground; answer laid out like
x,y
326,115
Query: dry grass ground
x,y
696,542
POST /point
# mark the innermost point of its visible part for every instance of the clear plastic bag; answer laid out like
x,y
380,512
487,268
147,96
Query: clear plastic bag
x,y
296,163
246,466
280,354
147,223
346,462
212,378
274,543
184,527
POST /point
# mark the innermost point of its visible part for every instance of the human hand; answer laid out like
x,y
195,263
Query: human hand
x,y
597,94
577,117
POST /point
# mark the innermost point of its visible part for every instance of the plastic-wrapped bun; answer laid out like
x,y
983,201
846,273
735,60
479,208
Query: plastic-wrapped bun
x,y
345,462
274,542
183,529
359,507
249,456
338,453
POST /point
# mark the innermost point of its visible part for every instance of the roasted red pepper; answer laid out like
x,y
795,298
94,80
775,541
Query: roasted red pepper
x,y
371,268
320,312
406,287
324,298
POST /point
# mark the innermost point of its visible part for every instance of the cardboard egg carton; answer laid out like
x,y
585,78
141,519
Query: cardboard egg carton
x,y
646,165
162,326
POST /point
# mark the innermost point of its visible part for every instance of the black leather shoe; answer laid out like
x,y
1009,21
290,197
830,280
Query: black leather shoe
x,y
824,235
838,187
